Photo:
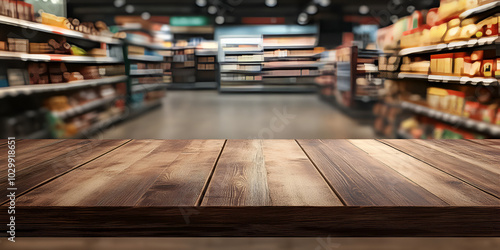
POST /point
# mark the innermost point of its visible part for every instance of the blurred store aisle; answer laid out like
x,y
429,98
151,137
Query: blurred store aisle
x,y
209,115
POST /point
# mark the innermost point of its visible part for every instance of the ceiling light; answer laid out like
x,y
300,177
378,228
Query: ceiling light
x,y
322,3
201,3
219,20
119,3
302,19
394,18
410,9
363,9
271,3
129,9
312,9
212,10
145,15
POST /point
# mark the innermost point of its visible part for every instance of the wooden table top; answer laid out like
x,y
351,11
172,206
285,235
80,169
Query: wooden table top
x,y
255,187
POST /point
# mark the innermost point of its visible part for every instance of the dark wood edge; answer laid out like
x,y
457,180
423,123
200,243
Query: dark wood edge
x,y
255,221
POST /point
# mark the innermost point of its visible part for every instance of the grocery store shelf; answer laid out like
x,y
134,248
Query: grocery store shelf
x,y
450,79
145,72
268,89
8,55
93,129
206,52
401,134
275,47
307,65
241,71
56,30
142,108
152,46
242,62
148,87
83,108
481,9
256,52
284,76
458,121
146,58
43,88
192,86
444,47
294,58
240,81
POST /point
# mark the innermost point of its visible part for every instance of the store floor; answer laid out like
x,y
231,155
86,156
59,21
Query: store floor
x,y
210,115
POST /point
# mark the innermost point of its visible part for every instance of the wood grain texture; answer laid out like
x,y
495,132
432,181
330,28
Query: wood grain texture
x,y
267,173
35,166
182,182
478,174
256,188
26,150
450,189
129,173
361,180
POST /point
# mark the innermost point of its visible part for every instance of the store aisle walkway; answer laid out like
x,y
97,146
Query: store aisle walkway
x,y
209,115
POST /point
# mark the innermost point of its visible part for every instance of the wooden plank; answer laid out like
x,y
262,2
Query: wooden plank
x,y
475,154
361,180
130,171
494,143
269,221
26,150
59,158
182,182
476,174
267,173
450,189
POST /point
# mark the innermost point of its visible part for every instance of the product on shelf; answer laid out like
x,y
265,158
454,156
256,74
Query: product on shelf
x,y
476,64
439,25
18,45
17,9
420,127
447,100
17,77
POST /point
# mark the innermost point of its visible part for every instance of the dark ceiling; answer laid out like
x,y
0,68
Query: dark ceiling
x,y
330,19
103,9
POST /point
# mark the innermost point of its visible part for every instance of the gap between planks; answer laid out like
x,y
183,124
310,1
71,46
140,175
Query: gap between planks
x,y
207,182
67,171
322,175
456,177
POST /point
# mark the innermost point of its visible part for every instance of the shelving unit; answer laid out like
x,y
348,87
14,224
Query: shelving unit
x,y
457,121
236,53
56,30
8,55
153,60
58,87
20,99
451,79
183,68
481,43
296,57
345,91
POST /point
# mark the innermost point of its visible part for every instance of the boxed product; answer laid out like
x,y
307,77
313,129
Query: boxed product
x,y
442,64
447,100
